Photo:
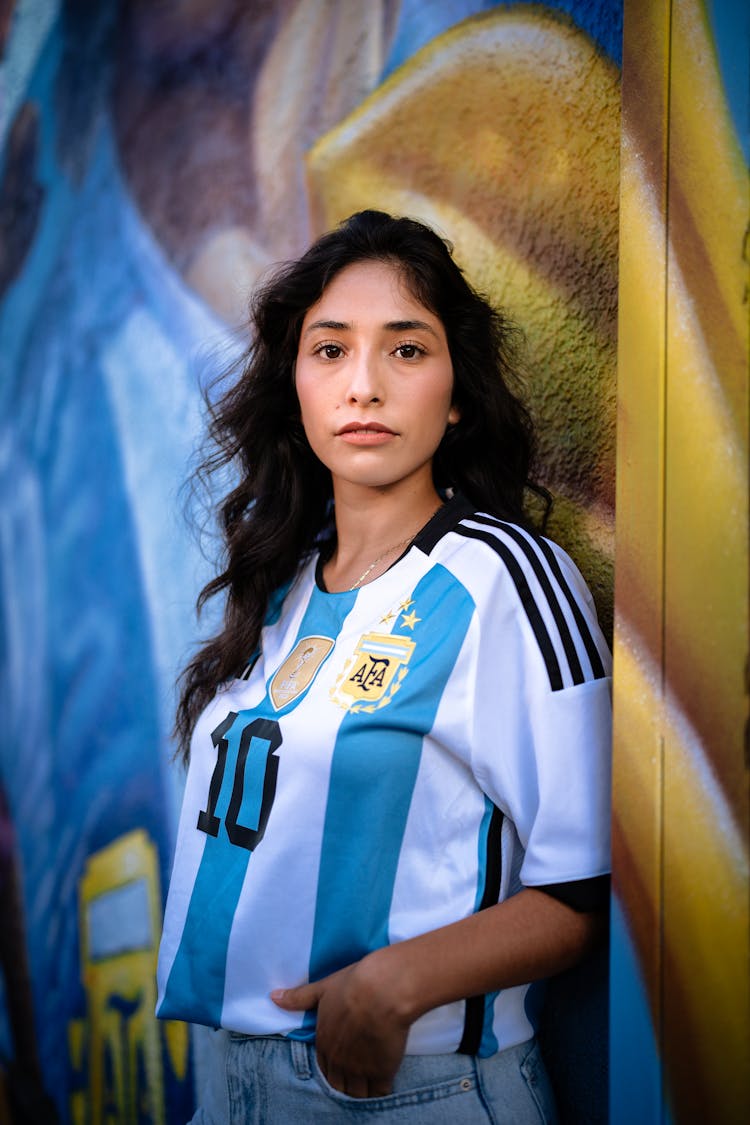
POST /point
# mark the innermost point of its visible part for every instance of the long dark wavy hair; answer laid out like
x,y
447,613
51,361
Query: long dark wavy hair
x,y
281,507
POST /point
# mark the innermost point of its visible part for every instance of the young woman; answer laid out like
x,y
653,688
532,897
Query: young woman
x,y
397,804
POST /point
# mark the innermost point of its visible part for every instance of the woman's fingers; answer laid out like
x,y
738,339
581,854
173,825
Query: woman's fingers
x,y
333,1076
354,1085
377,1088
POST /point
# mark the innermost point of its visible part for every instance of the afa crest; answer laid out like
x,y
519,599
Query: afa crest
x,y
372,676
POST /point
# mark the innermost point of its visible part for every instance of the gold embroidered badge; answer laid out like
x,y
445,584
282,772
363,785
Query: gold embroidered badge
x,y
372,676
298,670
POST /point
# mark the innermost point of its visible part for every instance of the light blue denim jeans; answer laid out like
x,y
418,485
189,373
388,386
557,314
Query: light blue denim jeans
x,y
259,1080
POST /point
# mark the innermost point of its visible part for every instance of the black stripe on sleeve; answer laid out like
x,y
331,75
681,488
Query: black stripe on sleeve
x,y
591,648
527,600
582,895
474,1008
529,549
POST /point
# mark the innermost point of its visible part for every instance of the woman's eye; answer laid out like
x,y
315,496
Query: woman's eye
x,y
329,351
408,351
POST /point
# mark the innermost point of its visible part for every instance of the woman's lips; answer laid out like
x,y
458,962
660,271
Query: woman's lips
x,y
357,434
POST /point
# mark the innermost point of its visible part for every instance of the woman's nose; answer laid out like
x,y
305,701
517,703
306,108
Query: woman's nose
x,y
365,383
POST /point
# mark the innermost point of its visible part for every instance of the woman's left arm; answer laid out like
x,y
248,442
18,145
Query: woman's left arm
x,y
365,1010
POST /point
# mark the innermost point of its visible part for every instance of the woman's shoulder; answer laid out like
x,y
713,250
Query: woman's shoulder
x,y
526,585
489,549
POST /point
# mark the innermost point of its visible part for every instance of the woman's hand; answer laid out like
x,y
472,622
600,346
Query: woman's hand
x,y
365,1010
361,1034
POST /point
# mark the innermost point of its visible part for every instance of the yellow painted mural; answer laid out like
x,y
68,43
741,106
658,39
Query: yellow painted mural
x,y
681,638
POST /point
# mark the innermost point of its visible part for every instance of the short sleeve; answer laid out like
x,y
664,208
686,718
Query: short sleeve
x,y
542,723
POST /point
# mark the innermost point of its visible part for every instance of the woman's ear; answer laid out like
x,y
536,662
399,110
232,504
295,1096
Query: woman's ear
x,y
454,415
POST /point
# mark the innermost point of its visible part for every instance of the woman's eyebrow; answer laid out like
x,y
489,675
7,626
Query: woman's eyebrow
x,y
389,326
409,326
333,325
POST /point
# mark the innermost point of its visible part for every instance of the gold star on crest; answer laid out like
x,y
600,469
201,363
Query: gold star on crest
x,y
386,618
406,603
410,619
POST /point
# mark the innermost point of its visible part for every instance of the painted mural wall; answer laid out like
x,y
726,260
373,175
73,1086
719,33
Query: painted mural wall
x,y
681,1001
155,158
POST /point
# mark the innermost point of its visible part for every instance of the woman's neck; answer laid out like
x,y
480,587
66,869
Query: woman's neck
x,y
373,528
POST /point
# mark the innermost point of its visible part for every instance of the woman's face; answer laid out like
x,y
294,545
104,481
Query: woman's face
x,y
374,380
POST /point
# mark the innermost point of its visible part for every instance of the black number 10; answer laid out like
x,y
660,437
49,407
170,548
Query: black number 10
x,y
240,834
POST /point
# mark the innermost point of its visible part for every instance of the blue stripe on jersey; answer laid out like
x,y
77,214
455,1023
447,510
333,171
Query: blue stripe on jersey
x,y
373,771
195,988
488,1044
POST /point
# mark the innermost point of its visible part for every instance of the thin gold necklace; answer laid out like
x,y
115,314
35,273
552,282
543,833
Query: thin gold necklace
x,y
371,567
389,551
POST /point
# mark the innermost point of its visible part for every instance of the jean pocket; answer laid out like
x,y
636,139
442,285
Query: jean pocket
x,y
410,1089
